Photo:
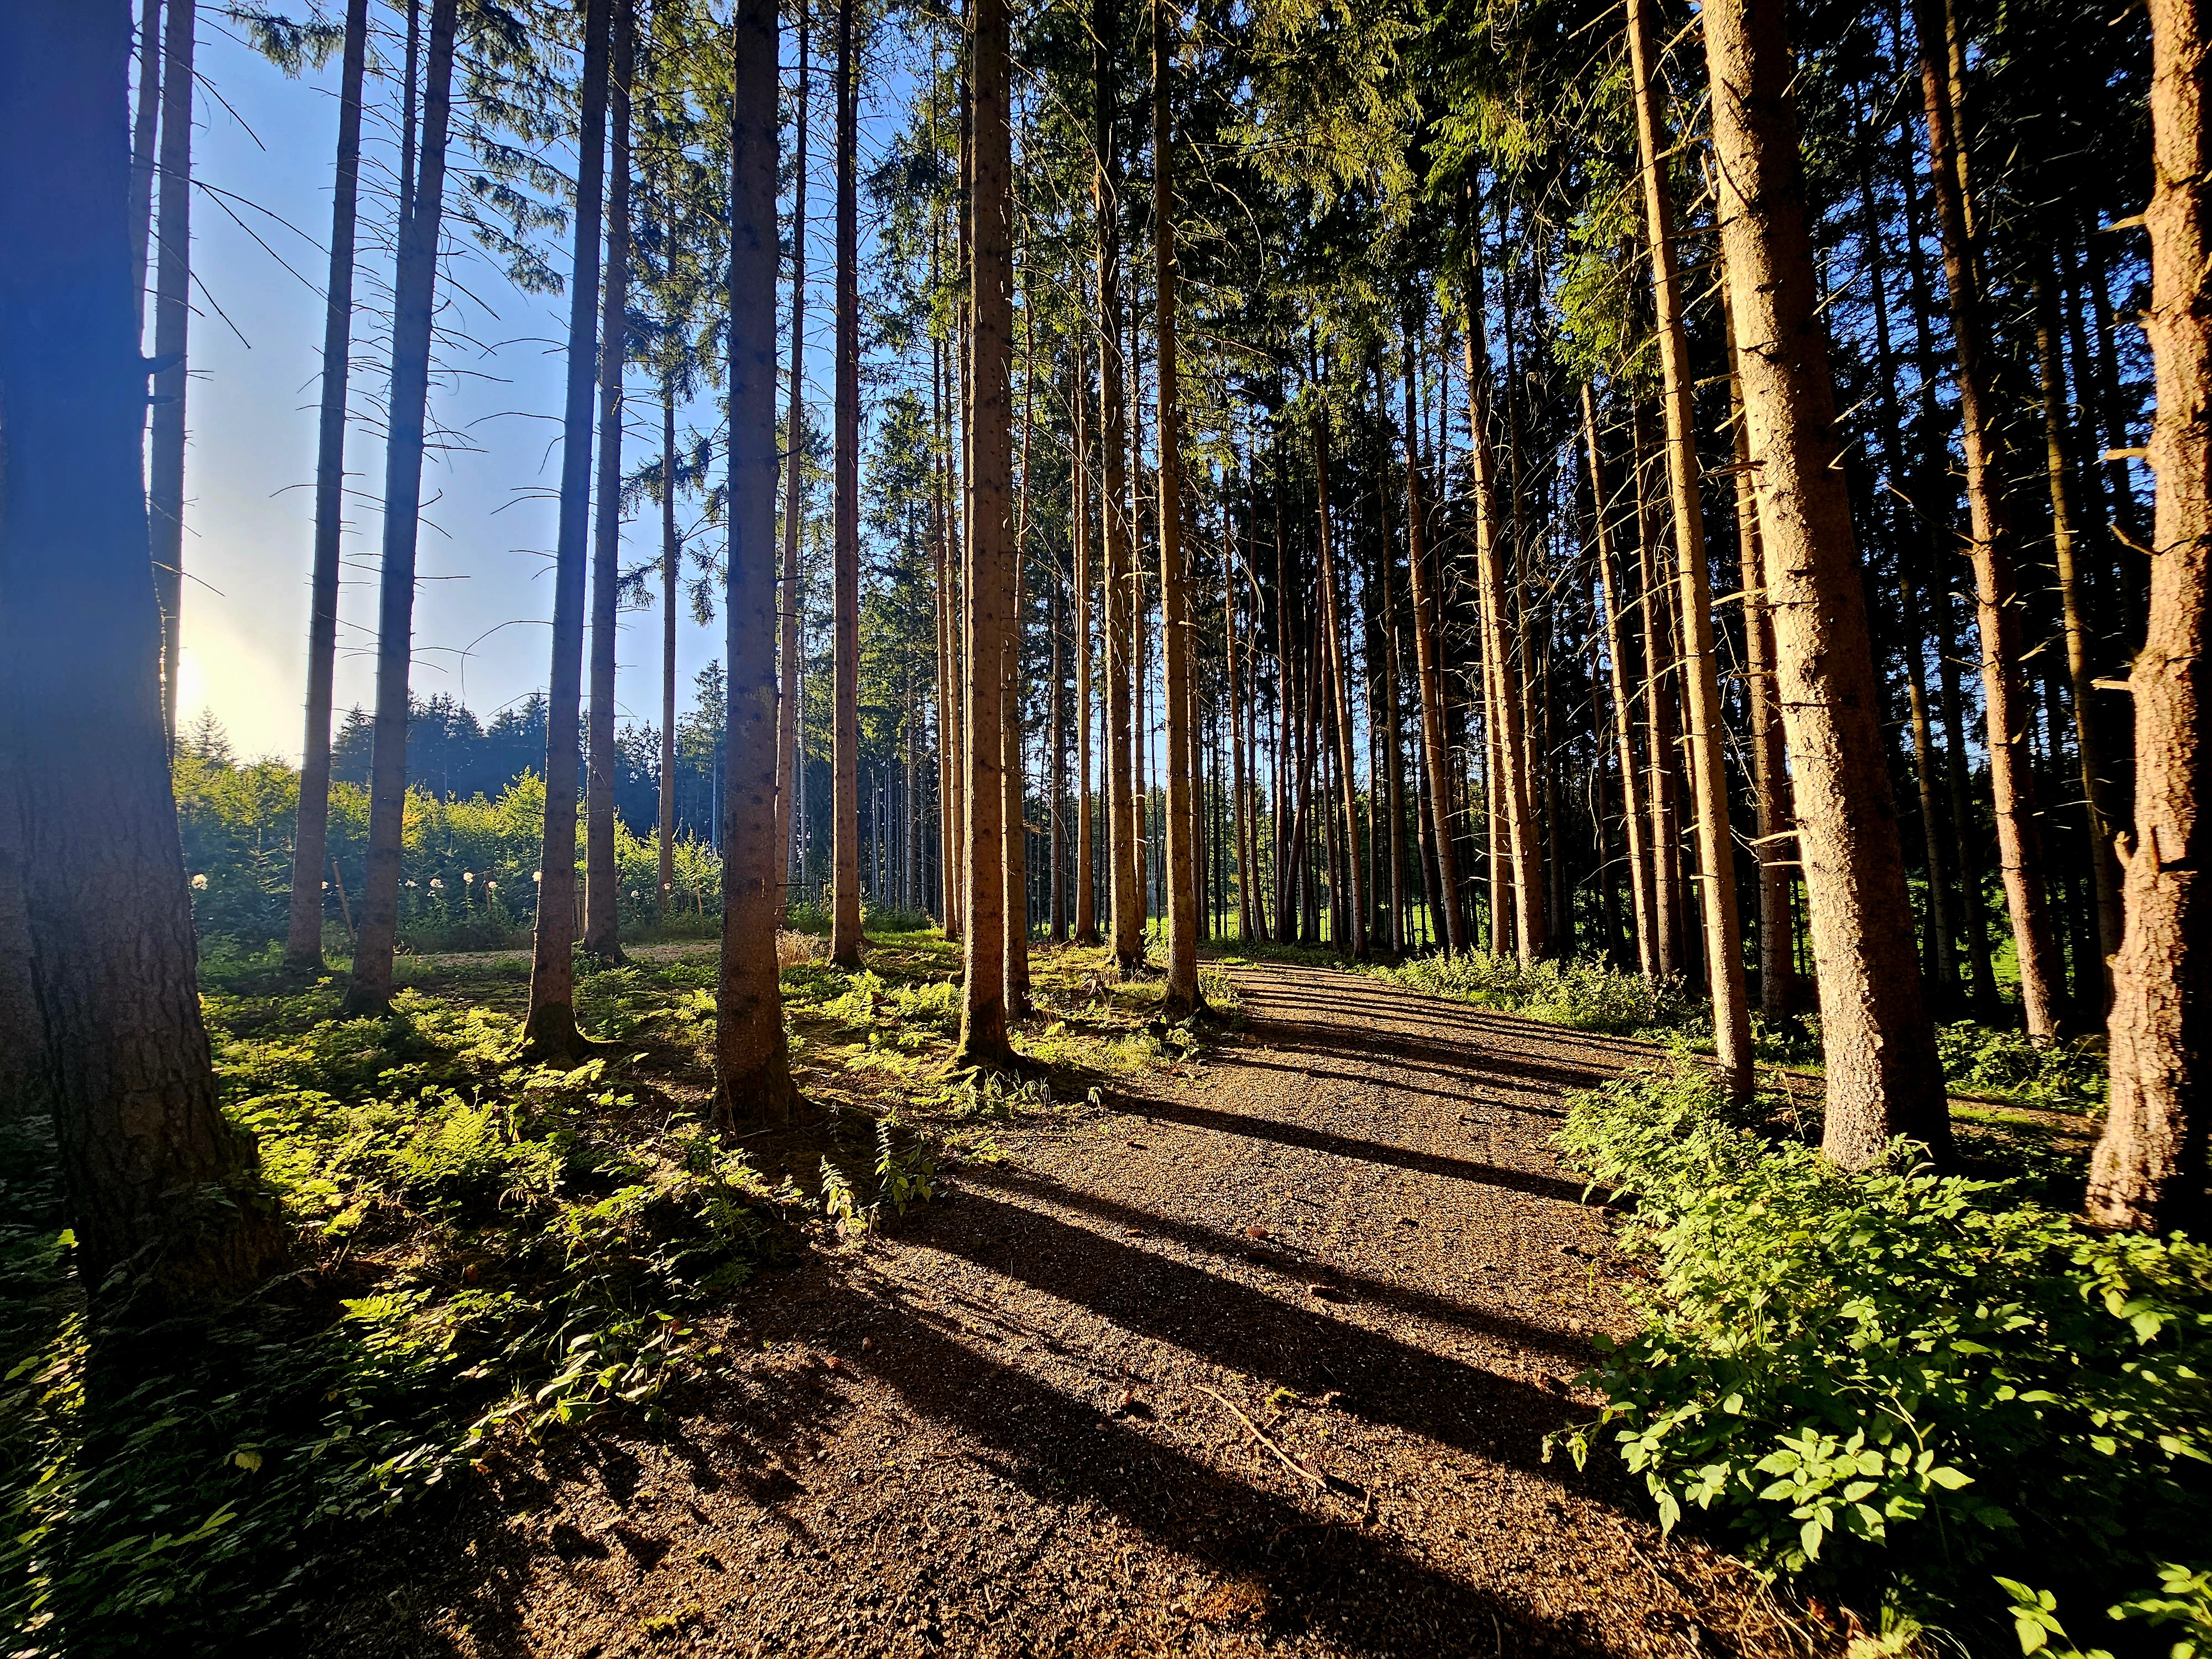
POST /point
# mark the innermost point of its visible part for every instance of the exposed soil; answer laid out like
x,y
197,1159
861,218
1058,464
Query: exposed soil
x,y
1258,1358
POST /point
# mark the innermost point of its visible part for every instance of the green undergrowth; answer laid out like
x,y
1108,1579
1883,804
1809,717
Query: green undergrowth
x,y
1901,1386
488,1254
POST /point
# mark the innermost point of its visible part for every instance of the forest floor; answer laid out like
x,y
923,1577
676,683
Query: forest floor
x,y
1254,1351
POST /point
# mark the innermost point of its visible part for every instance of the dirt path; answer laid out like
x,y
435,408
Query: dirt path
x,y
1029,1420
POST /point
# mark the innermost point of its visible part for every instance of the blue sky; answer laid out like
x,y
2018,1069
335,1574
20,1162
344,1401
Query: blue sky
x,y
263,147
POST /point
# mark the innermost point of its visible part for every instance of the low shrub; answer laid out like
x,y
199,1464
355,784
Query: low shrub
x,y
1903,1382
1586,995
2062,1076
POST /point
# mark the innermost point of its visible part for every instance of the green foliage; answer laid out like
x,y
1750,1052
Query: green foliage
x,y
2061,1076
1586,995
2183,1600
1895,1375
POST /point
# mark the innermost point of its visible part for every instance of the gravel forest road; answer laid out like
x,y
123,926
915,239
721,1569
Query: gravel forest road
x,y
1258,1360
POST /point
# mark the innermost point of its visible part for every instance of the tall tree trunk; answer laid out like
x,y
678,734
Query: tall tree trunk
x,y
1428,655
173,310
1012,769
159,1185
1086,885
1658,708
1124,892
1394,737
795,505
144,128
550,1031
1504,699
1693,579
2103,868
415,293
1997,600
2149,1167
303,938
990,532
1353,941
845,620
1879,1048
1639,864
602,879
1054,801
752,1067
672,586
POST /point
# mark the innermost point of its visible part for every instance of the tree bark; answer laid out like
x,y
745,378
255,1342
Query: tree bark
x,y
143,131
1353,941
550,1031
173,310
983,1039
794,505
845,620
1428,656
1700,675
672,585
1124,893
159,1188
1639,863
1012,766
415,293
1878,1046
752,1067
2149,1167
2012,776
1086,885
303,938
602,880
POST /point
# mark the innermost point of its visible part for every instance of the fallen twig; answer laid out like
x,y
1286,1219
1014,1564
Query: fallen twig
x,y
1331,1483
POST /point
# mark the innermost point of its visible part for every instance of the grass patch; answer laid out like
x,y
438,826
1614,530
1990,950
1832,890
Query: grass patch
x,y
1899,1385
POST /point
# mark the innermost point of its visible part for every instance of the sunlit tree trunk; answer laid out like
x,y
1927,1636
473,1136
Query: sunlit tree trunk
x,y
794,504
1700,675
602,880
1428,654
414,285
303,938
752,1067
1086,885
1352,941
173,310
145,127
1639,864
1878,1046
1012,769
2149,1167
551,1032
1658,707
672,585
1997,599
845,619
1124,893
990,532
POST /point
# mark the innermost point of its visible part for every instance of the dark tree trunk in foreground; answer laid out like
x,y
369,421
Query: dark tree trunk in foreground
x,y
551,1030
845,619
1879,1050
990,531
303,938
414,286
752,1066
794,507
173,310
2149,1167
602,880
159,1185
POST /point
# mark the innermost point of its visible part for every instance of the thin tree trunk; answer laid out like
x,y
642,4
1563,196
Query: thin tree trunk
x,y
845,621
1878,1046
2149,1167
672,583
1353,941
551,1032
158,1186
173,278
144,127
1700,676
2103,868
983,1013
752,1067
414,292
1659,732
1086,885
303,940
1428,654
794,505
1639,873
1124,893
2012,778
602,880
1054,802
1013,772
